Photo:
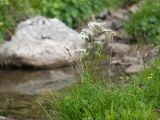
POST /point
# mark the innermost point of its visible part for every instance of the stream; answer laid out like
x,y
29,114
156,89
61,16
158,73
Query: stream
x,y
21,89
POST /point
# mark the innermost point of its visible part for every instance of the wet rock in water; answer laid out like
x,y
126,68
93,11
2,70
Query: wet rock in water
x,y
43,43
119,48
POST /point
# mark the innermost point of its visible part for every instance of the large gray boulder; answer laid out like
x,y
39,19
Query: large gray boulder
x,y
42,43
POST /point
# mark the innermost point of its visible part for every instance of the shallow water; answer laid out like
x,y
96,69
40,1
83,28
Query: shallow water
x,y
32,82
20,89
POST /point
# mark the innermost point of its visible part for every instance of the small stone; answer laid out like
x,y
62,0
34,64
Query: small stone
x,y
121,34
120,14
103,15
119,48
134,8
134,68
127,60
116,62
102,37
116,24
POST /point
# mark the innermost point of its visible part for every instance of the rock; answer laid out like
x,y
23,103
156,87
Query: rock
x,y
101,37
129,64
156,51
116,62
41,43
133,8
119,48
4,118
127,60
121,34
116,24
103,15
134,68
120,14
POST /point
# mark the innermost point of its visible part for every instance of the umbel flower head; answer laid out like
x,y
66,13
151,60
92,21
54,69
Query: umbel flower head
x,y
94,27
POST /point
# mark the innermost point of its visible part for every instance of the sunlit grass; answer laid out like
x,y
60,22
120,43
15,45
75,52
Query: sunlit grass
x,y
90,101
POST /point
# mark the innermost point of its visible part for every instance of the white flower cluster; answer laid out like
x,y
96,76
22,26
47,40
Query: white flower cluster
x,y
95,25
93,28
88,34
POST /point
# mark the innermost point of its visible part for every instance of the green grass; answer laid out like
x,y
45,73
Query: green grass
x,y
125,3
91,101
11,13
149,80
72,12
144,25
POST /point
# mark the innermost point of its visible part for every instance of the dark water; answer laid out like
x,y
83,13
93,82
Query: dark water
x,y
32,82
21,89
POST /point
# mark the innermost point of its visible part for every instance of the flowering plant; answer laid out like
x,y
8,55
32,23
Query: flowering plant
x,y
88,35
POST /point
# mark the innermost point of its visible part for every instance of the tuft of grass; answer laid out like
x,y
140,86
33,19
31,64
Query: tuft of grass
x,y
149,81
91,101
